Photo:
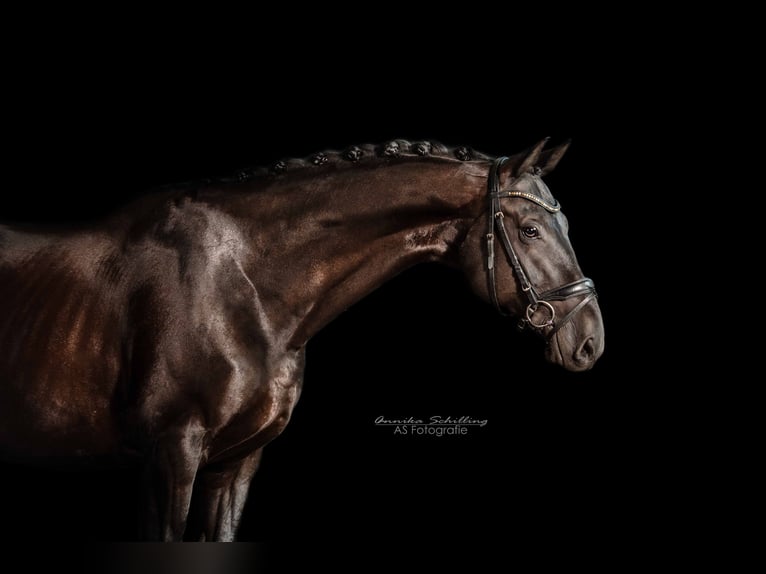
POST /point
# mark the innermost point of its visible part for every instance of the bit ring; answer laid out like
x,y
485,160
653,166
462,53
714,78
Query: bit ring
x,y
532,309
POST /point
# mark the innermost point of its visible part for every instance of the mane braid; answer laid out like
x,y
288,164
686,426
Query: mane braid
x,y
388,151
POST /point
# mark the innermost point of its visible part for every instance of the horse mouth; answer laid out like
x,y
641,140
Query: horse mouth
x,y
574,356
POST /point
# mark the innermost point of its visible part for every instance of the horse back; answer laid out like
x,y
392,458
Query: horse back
x,y
61,325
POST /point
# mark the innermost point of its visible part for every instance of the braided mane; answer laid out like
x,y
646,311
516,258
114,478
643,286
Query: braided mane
x,y
390,150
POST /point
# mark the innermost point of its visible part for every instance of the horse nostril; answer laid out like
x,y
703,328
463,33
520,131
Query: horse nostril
x,y
586,352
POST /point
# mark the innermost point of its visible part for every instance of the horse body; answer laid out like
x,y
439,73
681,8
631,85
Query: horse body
x,y
173,333
61,356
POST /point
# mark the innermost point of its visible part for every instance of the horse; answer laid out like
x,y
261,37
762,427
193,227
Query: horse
x,y
171,333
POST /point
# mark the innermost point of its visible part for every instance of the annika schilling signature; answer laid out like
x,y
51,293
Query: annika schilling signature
x,y
435,420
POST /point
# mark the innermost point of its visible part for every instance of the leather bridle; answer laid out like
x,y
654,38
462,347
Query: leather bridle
x,y
581,287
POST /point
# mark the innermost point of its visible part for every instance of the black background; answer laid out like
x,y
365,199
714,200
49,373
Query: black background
x,y
82,137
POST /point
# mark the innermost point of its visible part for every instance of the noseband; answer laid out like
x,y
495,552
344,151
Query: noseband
x,y
581,287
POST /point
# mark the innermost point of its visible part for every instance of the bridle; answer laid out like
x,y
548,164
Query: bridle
x,y
581,287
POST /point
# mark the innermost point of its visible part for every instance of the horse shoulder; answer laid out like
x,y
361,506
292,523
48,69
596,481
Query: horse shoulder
x,y
196,326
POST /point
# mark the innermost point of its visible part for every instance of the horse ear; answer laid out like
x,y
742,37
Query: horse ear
x,y
549,159
534,160
532,157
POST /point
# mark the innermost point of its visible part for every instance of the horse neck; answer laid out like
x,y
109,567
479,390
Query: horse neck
x,y
320,242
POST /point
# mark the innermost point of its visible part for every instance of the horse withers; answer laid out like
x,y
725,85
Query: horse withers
x,y
172,333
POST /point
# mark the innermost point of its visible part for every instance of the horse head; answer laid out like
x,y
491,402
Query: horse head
x,y
517,254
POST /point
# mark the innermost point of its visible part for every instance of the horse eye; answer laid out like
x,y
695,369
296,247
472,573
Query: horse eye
x,y
530,232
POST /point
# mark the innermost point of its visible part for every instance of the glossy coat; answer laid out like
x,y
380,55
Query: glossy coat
x,y
172,334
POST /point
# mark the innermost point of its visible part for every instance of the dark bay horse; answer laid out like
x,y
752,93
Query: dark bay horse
x,y
172,334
